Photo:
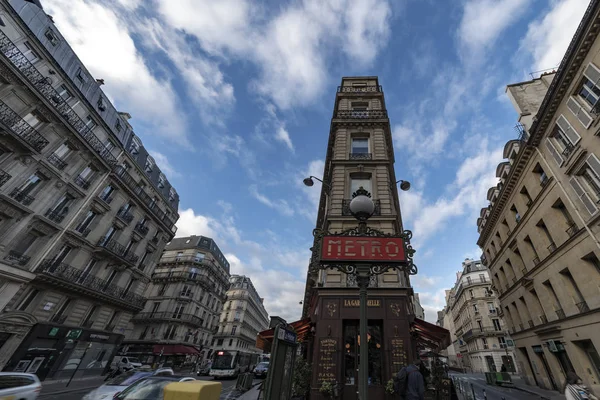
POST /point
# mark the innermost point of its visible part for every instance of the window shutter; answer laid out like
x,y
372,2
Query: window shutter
x,y
579,112
594,164
583,196
592,73
568,130
555,154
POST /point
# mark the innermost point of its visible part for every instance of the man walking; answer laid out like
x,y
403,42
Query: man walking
x,y
410,384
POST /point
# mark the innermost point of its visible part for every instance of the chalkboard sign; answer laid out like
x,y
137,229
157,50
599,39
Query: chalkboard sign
x,y
326,363
398,355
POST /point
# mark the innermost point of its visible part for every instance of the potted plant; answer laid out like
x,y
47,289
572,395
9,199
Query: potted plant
x,y
301,379
326,389
389,387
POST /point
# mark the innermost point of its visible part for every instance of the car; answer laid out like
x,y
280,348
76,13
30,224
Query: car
x,y
125,363
150,388
204,369
261,370
21,386
124,380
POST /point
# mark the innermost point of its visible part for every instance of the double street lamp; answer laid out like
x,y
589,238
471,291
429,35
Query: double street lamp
x,y
379,253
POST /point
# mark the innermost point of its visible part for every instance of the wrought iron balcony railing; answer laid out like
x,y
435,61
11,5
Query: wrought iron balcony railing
x,y
168,316
4,177
359,89
141,229
572,229
82,182
351,281
362,114
56,161
346,207
485,330
552,247
81,281
9,50
22,197
125,215
56,216
213,269
83,230
17,257
360,156
530,323
118,249
568,150
195,277
524,271
154,240
20,128
583,307
560,313
536,261
543,319
106,198
522,134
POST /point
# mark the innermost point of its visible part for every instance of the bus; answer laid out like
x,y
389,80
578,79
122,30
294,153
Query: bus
x,y
231,363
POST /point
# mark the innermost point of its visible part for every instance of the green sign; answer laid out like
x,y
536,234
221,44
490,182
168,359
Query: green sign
x,y
74,333
53,332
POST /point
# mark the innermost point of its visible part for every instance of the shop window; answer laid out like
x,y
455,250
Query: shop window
x,y
352,343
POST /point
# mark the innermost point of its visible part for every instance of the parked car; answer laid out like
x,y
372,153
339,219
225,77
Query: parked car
x,y
21,386
150,388
125,363
261,370
204,369
124,380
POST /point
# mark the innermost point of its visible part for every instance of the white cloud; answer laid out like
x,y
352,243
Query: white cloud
x,y
313,193
190,223
548,37
103,43
283,136
432,302
279,205
163,163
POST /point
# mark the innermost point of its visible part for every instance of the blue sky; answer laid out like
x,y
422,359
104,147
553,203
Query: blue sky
x,y
234,100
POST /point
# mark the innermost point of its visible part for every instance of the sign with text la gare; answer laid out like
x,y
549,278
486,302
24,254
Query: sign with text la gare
x,y
362,249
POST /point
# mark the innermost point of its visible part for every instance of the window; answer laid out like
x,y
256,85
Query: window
x,y
485,343
179,256
101,104
30,184
502,342
112,322
471,293
233,329
87,321
172,195
149,164
360,145
62,151
106,193
29,53
128,287
134,146
80,75
61,209
90,123
359,181
118,125
25,243
161,180
109,145
481,277
27,300
64,92
579,112
469,280
587,185
491,307
565,136
199,256
32,119
155,307
87,270
89,217
496,323
590,91
360,106
51,36
475,309
58,316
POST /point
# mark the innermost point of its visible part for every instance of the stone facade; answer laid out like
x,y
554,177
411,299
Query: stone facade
x,y
540,233
84,211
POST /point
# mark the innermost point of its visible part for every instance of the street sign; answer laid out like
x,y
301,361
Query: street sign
x,y
53,332
337,249
74,333
286,335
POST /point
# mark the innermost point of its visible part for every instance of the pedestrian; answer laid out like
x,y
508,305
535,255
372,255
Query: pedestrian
x,y
503,368
409,382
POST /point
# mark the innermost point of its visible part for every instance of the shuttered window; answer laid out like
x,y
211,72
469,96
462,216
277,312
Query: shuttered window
x,y
583,196
568,131
555,154
579,112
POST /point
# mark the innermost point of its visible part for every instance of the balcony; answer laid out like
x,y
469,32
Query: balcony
x,y
141,229
125,215
544,180
106,198
17,258
530,323
523,136
154,240
169,316
483,331
346,207
171,276
44,86
117,249
213,269
4,177
22,197
536,261
543,319
19,127
56,161
583,307
524,271
552,247
83,230
572,229
361,114
82,182
360,156
359,89
56,216
77,280
560,314
568,150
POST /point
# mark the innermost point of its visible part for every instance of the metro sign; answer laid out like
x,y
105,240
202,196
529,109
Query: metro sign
x,y
356,249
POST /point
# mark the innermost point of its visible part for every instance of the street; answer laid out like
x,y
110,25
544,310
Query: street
x,y
484,391
227,393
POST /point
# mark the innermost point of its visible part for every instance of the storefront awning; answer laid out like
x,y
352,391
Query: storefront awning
x,y
431,335
174,349
265,338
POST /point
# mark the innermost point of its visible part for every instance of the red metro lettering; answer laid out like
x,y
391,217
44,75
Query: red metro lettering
x,y
348,248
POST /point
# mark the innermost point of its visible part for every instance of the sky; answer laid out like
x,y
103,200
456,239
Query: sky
x,y
234,98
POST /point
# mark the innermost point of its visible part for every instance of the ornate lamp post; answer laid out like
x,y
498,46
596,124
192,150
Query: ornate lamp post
x,y
363,252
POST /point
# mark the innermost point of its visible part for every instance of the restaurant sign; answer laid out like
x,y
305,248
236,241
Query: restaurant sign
x,y
390,250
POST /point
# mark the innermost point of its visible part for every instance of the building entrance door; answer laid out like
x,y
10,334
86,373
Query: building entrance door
x,y
540,352
490,364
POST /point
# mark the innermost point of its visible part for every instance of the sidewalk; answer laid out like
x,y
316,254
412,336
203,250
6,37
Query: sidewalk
x,y
520,384
54,387
251,394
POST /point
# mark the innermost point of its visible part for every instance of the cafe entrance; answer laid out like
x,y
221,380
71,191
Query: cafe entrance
x,y
351,359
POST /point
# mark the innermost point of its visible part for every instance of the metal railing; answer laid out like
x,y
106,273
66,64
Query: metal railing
x,y
107,199
44,86
20,128
346,207
524,271
56,161
154,240
360,156
572,229
118,249
568,150
141,229
543,319
362,114
82,182
560,313
195,277
4,177
583,307
17,257
56,216
80,280
536,261
552,247
359,89
84,231
530,323
522,134
21,197
168,316
125,215
482,331
217,272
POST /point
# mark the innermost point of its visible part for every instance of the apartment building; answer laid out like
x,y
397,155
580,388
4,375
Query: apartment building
x,y
243,316
481,336
540,232
84,210
185,300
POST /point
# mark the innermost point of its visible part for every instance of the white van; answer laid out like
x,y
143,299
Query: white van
x,y
125,363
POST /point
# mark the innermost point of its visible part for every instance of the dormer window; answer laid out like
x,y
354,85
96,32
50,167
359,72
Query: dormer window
x,y
134,147
80,75
29,53
172,195
149,164
118,125
101,104
51,36
161,180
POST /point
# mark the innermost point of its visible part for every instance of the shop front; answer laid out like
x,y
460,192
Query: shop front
x,y
169,355
60,352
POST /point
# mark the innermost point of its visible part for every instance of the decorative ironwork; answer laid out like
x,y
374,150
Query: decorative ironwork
x,y
20,128
83,230
141,229
351,281
118,249
536,261
572,229
560,313
154,240
568,150
55,216
362,114
543,319
106,198
22,197
44,86
4,177
552,247
80,280
56,161
346,207
169,316
360,156
523,136
16,257
195,277
125,215
82,182
359,89
583,307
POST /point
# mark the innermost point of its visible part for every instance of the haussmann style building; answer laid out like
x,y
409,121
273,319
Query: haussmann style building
x,y
84,210
540,233
185,300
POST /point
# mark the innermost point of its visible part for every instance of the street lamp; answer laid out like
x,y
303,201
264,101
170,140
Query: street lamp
x,y
309,182
404,185
379,253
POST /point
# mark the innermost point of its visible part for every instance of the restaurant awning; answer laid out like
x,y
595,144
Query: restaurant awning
x,y
430,335
264,339
174,349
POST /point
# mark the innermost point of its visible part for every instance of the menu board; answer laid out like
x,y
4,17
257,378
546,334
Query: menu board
x,y
399,359
326,369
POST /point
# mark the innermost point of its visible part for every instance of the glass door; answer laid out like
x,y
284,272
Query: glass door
x,y
351,362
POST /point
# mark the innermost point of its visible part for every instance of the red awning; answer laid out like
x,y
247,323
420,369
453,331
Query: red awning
x,y
265,338
174,349
431,335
